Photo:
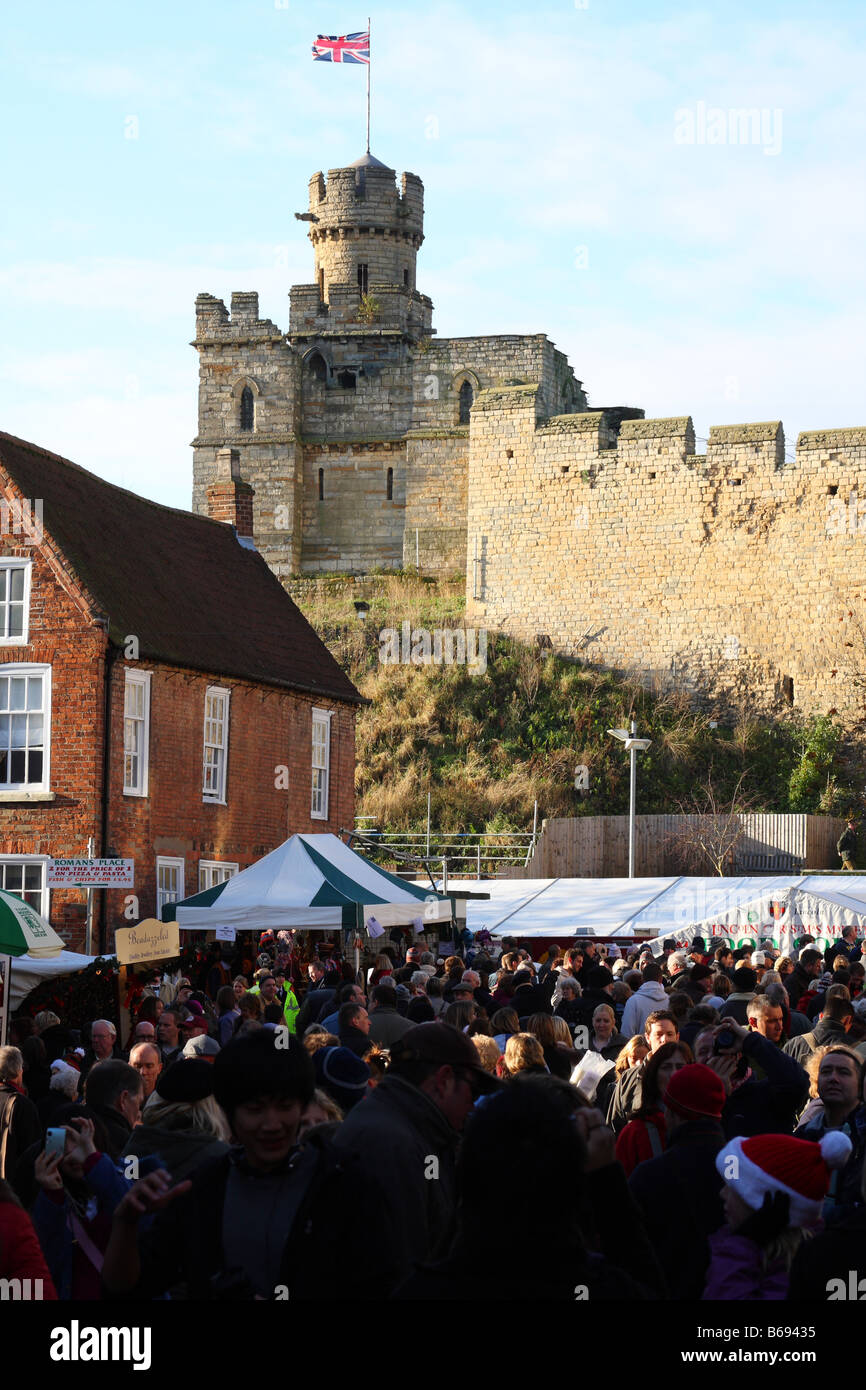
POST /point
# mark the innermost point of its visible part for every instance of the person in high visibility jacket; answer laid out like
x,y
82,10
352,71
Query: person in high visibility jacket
x,y
267,988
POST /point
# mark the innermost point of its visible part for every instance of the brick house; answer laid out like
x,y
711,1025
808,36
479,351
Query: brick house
x,y
161,696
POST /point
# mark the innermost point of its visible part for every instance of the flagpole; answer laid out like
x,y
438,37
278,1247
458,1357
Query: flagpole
x,y
369,65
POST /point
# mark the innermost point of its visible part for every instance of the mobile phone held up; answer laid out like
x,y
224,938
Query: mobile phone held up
x,y
55,1143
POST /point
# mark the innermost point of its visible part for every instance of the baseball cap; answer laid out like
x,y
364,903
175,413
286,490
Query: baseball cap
x,y
447,1046
202,1046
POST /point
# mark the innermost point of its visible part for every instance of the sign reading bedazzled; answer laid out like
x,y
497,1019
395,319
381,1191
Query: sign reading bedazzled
x,y
91,873
149,940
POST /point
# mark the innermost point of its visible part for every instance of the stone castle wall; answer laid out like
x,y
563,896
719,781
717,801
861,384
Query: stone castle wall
x,y
733,572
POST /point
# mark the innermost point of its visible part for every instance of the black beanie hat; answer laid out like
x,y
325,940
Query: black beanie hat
x,y
187,1080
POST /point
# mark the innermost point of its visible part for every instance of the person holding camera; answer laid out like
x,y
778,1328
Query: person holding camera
x,y
768,1105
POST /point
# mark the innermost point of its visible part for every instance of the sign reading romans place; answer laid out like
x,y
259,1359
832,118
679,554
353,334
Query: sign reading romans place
x,y
148,940
91,873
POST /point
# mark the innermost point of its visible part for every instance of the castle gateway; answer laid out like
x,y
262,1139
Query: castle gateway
x,y
361,440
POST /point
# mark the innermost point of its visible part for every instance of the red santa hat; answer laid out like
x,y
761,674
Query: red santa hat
x,y
780,1163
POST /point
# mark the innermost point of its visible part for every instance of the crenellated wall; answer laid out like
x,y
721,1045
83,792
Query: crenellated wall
x,y
731,573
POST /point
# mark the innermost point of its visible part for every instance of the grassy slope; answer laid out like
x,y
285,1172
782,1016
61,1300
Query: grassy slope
x,y
487,746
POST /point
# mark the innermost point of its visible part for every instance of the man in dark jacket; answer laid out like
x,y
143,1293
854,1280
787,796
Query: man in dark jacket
x,y
832,1027
840,1090
386,1025
209,1234
115,1091
407,1131
599,990
19,1118
679,1192
354,1029
318,999
846,845
532,999
737,1002
804,974
766,1102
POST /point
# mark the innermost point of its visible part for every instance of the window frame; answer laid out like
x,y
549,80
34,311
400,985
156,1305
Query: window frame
x,y
32,668
169,861
41,861
13,562
211,864
142,678
323,718
218,798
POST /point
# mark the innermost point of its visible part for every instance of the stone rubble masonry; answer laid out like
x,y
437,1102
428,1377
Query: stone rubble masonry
x,y
730,574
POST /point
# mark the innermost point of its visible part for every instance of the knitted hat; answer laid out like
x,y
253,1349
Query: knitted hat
x,y
781,1163
186,1081
695,1093
343,1075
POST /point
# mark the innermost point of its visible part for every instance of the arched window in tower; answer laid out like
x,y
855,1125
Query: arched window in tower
x,y
467,396
318,366
248,409
363,278
321,484
390,485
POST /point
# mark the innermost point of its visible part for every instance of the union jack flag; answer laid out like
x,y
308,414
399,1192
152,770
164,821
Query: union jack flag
x,y
350,48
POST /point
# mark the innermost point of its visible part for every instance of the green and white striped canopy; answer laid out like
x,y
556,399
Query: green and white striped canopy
x,y
23,932
311,881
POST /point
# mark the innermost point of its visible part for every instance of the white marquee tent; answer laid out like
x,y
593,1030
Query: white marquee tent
x,y
767,906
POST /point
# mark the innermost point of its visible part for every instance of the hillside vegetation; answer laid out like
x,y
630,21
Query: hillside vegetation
x,y
487,746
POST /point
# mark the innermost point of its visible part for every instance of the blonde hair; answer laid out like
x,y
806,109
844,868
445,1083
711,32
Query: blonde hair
x,y
328,1104
488,1052
202,1116
628,1057
521,1051
313,1041
561,1031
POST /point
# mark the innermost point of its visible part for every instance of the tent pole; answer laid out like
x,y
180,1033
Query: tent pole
x,y
5,996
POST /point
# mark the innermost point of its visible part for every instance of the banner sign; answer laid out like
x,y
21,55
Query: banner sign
x,y
91,873
224,933
148,940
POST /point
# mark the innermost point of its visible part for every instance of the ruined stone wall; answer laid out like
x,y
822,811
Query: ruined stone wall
x,y
732,573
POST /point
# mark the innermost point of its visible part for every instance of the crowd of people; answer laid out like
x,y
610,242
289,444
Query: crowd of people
x,y
682,1125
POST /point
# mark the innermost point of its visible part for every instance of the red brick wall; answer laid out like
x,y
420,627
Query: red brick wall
x,y
62,635
267,728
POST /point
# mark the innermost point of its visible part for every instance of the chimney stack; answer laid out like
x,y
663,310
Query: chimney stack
x,y
228,498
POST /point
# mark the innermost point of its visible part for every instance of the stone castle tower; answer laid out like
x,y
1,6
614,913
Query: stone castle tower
x,y
352,429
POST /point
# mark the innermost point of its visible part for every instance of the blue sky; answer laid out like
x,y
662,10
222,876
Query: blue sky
x,y
573,186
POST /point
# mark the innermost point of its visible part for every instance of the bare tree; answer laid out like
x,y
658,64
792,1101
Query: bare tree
x,y
713,826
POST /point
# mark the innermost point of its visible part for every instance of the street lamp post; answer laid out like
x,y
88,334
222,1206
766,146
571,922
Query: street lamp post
x,y
634,745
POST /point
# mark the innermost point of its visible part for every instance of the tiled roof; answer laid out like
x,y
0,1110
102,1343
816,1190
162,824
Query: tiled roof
x,y
182,584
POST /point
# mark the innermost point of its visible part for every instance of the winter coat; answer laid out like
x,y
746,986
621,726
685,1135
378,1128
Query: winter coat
x,y
21,1254
832,1254
647,1000
797,983
844,1198
19,1127
386,1025
736,1270
356,1040
771,1105
626,1098
823,1033
336,1198
74,1275
736,1006
641,1140
534,999
399,1133
679,1196
181,1151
